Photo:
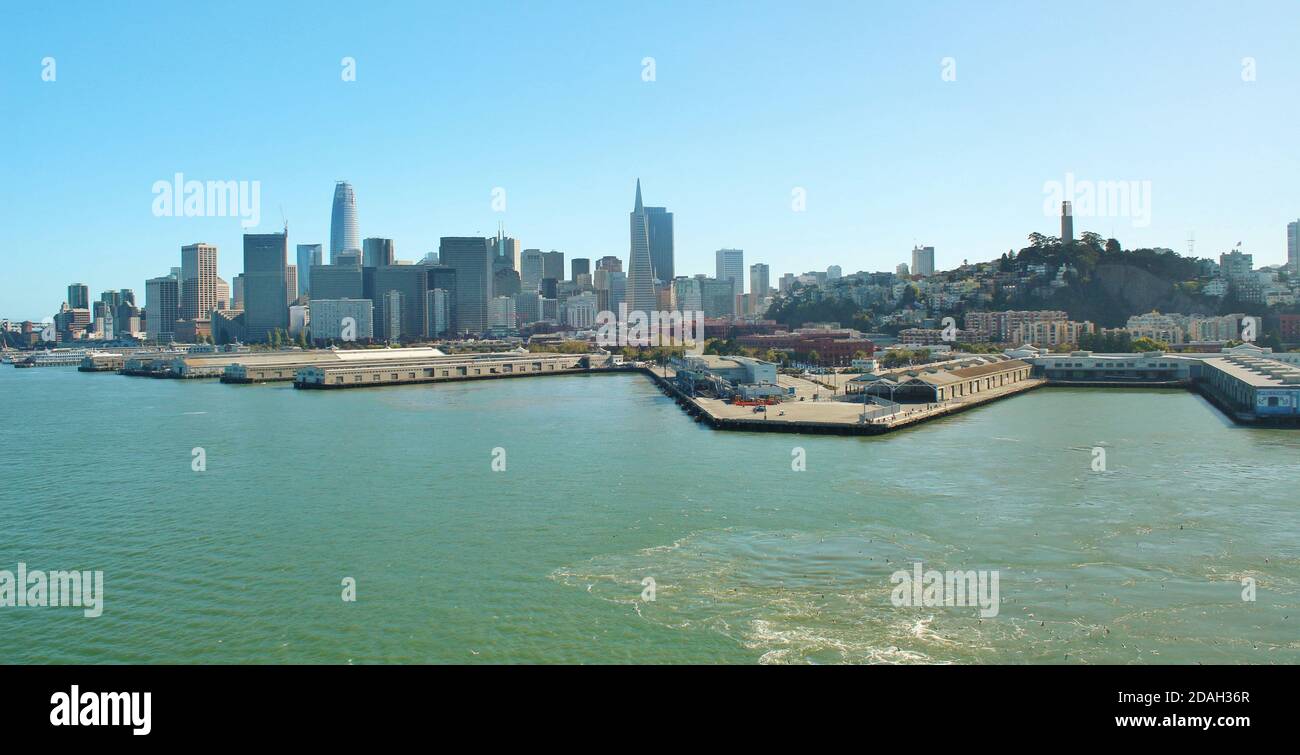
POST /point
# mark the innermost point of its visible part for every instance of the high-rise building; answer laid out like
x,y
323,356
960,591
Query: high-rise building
x,y
79,296
309,255
377,252
1235,265
266,307
391,315
344,236
443,278
336,282
411,284
611,263
501,316
553,265
579,266
291,283
471,258
198,281
437,313
162,308
506,256
1293,247
640,273
834,273
660,222
342,319
688,294
717,297
530,270
505,282
1067,223
730,264
758,285
923,260
237,292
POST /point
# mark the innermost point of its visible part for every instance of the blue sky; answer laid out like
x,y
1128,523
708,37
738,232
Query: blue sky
x,y
546,100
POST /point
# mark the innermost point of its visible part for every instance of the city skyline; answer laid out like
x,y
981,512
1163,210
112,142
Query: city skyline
x,y
871,192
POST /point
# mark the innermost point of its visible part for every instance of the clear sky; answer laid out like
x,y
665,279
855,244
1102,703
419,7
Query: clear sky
x,y
547,100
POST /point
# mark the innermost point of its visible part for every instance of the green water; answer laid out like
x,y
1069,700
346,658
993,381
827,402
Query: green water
x,y
608,482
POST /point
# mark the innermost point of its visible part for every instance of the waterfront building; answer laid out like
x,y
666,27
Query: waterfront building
x,y
943,381
328,318
344,236
198,281
309,255
162,308
471,258
266,306
640,276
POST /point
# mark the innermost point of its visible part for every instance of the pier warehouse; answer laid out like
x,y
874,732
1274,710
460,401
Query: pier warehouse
x,y
944,381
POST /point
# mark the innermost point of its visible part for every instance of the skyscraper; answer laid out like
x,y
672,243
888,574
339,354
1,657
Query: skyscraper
x,y
79,296
162,307
198,281
922,260
377,252
1293,247
290,283
1067,223
266,306
730,266
640,273
471,258
308,256
610,263
344,235
579,266
661,243
553,265
758,285
506,252
530,270
411,285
